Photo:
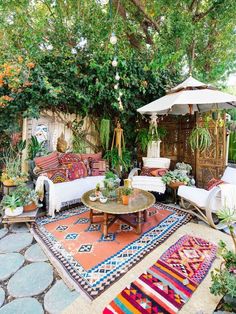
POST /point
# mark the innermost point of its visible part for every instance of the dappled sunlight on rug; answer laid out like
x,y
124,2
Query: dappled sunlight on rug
x,y
94,262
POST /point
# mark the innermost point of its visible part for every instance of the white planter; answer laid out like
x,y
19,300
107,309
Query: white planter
x,y
16,212
153,150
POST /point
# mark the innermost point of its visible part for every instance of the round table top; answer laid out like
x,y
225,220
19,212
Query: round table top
x,y
139,201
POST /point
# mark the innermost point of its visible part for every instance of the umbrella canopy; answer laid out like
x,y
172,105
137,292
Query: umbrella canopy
x,y
189,96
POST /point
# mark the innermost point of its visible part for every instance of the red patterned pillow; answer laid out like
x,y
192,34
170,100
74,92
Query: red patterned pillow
x,y
147,171
214,182
159,172
76,170
98,168
47,162
57,175
69,158
93,157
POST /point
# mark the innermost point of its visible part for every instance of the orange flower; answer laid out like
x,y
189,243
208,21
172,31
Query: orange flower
x,y
30,65
7,98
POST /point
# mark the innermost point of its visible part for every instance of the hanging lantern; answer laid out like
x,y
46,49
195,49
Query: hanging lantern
x,y
114,62
117,77
113,39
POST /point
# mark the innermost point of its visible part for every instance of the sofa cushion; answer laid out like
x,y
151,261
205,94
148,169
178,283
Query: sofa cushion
x,y
93,157
57,175
69,158
47,162
98,168
213,182
89,159
76,170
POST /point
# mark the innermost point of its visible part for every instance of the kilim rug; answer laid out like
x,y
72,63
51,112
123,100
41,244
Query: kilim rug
x,y
167,285
91,263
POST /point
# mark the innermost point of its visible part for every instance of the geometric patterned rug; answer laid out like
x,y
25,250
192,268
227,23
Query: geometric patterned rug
x,y
91,263
167,285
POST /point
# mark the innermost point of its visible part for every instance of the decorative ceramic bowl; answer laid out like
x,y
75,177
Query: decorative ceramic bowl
x,y
103,200
92,198
16,212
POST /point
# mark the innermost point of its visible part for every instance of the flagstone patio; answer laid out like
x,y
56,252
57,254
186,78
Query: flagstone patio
x,y
29,283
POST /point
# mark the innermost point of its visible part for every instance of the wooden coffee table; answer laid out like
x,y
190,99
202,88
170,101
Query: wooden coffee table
x,y
139,202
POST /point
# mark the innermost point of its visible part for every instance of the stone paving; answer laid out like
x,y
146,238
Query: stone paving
x,y
29,283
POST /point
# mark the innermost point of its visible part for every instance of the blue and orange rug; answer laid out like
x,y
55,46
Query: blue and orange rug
x,y
167,285
90,261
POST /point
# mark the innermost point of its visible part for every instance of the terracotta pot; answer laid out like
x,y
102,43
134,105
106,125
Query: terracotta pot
x,y
30,207
175,185
125,199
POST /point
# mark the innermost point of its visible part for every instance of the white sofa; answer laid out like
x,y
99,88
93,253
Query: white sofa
x,y
59,195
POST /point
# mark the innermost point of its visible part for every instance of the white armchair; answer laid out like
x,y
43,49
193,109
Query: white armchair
x,y
147,183
203,203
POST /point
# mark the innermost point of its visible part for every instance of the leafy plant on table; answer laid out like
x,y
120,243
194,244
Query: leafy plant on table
x,y
127,191
175,176
224,277
27,195
11,201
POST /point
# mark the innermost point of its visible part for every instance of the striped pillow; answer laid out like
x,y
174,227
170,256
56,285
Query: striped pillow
x,y
47,162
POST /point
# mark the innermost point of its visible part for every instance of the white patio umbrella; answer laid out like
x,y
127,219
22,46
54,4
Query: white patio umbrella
x,y
188,97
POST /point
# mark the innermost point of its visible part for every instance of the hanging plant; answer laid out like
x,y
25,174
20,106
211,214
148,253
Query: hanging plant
x,y
200,138
105,133
145,136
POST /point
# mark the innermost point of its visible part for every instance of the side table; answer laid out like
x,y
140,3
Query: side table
x,y
27,217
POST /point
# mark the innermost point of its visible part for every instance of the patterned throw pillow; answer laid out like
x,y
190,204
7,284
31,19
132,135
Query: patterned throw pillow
x,y
89,160
58,175
153,172
69,158
159,172
76,170
214,182
47,162
99,168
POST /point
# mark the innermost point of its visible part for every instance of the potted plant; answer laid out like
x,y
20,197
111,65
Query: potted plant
x,y
224,277
29,197
125,195
97,190
183,167
175,178
12,205
200,138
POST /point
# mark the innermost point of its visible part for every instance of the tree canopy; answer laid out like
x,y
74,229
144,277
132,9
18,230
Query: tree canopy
x,y
56,53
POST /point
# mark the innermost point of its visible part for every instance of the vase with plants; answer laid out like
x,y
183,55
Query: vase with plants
x,y
12,204
224,277
175,178
28,197
183,167
111,183
12,174
126,192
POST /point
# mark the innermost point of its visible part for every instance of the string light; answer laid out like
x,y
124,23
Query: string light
x,y
114,62
113,39
117,77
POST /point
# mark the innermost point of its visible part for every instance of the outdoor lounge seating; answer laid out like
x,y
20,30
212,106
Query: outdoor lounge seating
x,y
204,203
149,182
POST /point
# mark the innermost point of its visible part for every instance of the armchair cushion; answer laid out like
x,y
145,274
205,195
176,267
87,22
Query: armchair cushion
x,y
196,196
213,182
229,175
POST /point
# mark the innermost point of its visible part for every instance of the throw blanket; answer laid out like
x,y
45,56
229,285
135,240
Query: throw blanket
x,y
228,196
53,203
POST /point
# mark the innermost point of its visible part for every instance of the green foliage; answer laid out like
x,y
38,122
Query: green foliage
x,y
223,278
145,136
200,138
116,161
26,195
105,133
35,148
126,191
11,201
175,176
